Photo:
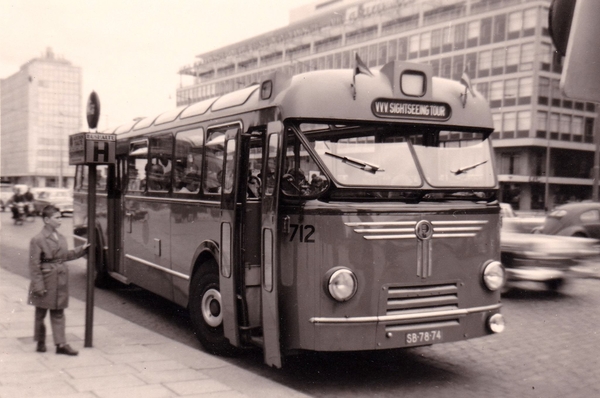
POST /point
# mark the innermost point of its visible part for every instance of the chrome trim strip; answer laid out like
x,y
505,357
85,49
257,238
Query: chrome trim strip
x,y
381,223
453,235
466,222
406,317
384,230
79,238
382,237
158,267
172,200
452,229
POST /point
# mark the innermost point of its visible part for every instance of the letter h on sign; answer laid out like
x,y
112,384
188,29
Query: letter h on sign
x,y
101,152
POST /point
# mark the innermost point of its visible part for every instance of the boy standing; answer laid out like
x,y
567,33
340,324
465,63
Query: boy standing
x,y
49,289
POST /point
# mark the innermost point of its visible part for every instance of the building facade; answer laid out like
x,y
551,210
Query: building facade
x,y
544,143
40,108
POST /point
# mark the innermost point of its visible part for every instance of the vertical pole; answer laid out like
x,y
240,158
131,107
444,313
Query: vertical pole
x,y
547,184
91,266
596,132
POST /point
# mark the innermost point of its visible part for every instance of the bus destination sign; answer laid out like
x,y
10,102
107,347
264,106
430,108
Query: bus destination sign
x,y
383,107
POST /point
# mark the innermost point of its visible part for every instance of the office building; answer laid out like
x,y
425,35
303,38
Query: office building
x,y
40,108
543,142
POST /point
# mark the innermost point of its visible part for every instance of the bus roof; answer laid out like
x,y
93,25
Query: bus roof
x,y
397,92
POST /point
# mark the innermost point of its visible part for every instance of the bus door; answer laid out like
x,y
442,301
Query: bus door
x,y
230,235
269,247
147,234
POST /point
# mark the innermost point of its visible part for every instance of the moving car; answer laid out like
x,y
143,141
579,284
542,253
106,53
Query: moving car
x,y
535,257
574,219
61,198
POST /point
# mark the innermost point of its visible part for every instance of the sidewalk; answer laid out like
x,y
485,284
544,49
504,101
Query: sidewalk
x,y
126,360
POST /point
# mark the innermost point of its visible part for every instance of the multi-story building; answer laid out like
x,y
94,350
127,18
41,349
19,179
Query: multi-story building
x,y
40,108
543,142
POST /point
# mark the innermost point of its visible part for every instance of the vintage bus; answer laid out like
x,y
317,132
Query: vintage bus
x,y
328,211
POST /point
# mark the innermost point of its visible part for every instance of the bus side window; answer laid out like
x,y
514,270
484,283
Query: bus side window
x,y
136,165
159,168
268,180
188,160
214,162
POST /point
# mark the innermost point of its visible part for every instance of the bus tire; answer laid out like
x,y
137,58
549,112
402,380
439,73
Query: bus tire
x,y
205,311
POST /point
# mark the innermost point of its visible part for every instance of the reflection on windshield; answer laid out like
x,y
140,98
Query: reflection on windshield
x,y
394,163
392,157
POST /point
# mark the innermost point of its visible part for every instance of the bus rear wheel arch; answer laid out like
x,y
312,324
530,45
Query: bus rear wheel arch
x,y
206,310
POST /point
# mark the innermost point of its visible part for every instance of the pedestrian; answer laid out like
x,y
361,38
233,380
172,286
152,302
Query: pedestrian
x,y
49,289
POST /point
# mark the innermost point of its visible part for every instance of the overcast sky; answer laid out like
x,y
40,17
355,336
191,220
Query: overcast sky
x,y
130,50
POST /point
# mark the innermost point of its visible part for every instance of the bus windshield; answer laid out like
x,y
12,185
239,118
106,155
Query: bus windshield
x,y
392,157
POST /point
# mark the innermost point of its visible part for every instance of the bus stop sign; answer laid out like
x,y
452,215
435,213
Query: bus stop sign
x,y
92,148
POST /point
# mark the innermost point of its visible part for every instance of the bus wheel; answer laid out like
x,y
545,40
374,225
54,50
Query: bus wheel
x,y
205,311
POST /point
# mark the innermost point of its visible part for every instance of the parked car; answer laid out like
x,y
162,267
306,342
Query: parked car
x,y
534,257
580,219
61,198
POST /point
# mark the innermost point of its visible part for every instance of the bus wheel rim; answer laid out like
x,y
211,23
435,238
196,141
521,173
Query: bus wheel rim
x,y
211,308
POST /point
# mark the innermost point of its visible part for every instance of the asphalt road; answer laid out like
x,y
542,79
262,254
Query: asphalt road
x,y
551,347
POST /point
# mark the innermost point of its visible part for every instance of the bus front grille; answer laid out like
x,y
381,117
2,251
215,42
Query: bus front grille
x,y
420,299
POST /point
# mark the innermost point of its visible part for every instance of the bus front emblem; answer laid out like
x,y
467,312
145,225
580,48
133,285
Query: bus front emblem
x,y
424,232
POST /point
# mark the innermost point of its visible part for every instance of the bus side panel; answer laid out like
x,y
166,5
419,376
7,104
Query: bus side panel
x,y
191,224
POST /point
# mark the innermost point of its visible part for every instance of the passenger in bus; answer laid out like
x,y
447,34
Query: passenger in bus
x,y
49,288
253,186
155,174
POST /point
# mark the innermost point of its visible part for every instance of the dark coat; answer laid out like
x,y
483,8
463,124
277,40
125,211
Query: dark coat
x,y
48,271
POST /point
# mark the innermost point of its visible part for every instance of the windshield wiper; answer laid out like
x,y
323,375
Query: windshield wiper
x,y
371,168
465,169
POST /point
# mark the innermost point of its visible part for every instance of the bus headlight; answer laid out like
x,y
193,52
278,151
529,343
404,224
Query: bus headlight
x,y
493,275
496,323
341,284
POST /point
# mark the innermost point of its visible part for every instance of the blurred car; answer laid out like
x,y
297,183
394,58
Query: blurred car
x,y
6,192
574,219
61,198
546,259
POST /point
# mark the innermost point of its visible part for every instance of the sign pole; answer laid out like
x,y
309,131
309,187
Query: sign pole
x,y
91,266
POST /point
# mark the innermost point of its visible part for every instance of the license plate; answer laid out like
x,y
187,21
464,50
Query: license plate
x,y
424,337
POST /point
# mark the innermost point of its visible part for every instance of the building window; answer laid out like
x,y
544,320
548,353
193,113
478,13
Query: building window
x,y
542,124
512,58
543,90
525,90
458,67
496,94
509,124
435,65
497,119
523,123
577,125
485,35
554,118
436,41
545,56
485,63
510,163
499,28
382,54
527,55
402,49
565,127
447,39
459,36
413,46
425,44
510,92
372,55
471,64
498,57
545,30
473,30
556,94
392,47
483,89
446,67
515,24
529,22
557,62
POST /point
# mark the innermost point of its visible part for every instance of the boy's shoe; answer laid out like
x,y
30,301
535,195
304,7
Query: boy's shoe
x,y
66,350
